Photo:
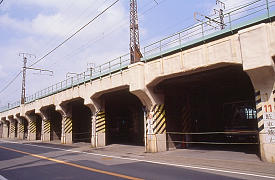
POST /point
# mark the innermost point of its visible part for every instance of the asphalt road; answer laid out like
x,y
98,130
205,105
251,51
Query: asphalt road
x,y
27,161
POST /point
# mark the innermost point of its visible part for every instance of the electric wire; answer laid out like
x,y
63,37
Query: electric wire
x,y
3,89
71,36
121,24
62,43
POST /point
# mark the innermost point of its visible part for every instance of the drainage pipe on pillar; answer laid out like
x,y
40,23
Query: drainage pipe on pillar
x,y
145,129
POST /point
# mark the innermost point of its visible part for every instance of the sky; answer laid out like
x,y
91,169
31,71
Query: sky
x,y
37,26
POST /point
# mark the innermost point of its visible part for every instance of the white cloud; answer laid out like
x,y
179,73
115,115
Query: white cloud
x,y
40,33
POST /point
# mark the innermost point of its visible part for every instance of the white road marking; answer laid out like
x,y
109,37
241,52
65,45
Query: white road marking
x,y
153,162
3,178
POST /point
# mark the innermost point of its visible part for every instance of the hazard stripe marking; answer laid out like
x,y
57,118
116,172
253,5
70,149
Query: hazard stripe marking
x,y
259,110
159,120
100,122
32,127
47,126
68,125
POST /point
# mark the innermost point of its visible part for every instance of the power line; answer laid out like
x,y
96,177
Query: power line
x,y
118,26
74,34
59,44
10,82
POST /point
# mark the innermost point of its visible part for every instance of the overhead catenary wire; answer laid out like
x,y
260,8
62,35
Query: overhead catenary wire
x,y
2,90
71,36
121,24
62,43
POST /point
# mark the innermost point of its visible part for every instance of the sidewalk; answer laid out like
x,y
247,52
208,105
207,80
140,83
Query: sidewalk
x,y
218,159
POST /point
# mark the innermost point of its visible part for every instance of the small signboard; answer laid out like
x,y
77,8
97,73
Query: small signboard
x,y
269,125
150,123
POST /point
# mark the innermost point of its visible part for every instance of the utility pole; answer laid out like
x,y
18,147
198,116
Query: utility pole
x,y
220,12
23,92
25,55
210,20
135,53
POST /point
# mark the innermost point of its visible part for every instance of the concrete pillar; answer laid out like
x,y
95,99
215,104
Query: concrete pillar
x,y
67,124
20,129
156,129
12,128
98,120
99,129
5,133
265,107
258,62
31,127
154,120
67,129
1,129
46,127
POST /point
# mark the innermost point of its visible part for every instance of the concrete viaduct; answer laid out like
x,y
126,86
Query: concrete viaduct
x,y
185,89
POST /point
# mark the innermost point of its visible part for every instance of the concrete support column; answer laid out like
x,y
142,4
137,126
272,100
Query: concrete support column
x,y
67,124
154,120
1,129
20,129
258,62
12,128
98,120
156,129
46,127
31,127
99,129
67,129
5,133
265,107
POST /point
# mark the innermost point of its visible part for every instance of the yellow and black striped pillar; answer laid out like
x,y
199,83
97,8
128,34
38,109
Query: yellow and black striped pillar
x,y
46,129
156,129
20,130
100,122
46,126
67,129
12,129
159,121
32,127
259,109
187,125
32,130
68,125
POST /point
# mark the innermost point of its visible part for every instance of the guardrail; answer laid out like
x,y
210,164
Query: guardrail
x,y
233,19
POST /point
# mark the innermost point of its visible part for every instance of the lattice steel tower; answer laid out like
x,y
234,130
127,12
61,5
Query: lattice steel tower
x,y
135,53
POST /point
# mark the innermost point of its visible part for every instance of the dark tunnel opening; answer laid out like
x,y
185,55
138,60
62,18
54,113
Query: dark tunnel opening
x,y
213,109
124,118
81,119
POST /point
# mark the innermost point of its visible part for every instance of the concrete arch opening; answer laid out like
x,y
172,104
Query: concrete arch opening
x,y
35,126
214,109
38,125
25,127
81,121
8,127
124,118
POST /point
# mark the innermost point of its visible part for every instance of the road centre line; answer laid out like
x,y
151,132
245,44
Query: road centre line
x,y
72,164
153,162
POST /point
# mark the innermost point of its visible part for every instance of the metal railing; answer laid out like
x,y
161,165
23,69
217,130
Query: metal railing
x,y
234,18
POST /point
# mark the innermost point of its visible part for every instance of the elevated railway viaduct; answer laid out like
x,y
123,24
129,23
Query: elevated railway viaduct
x,y
203,86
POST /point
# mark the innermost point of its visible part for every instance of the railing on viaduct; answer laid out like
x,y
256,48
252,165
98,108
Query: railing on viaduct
x,y
234,19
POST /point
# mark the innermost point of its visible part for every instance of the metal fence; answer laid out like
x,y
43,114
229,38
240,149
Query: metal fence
x,y
234,18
